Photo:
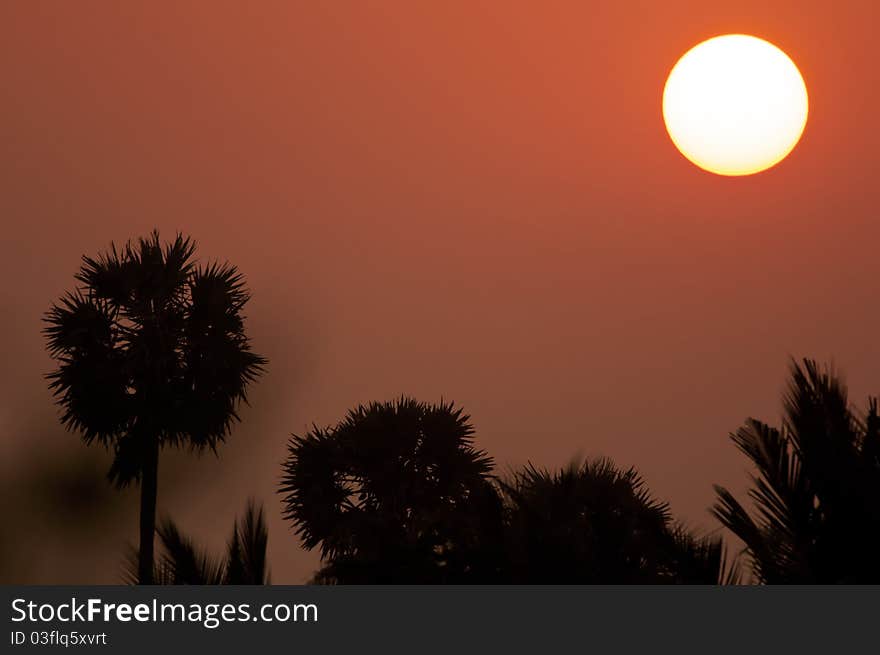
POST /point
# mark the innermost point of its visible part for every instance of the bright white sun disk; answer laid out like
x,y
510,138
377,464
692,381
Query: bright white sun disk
x,y
735,105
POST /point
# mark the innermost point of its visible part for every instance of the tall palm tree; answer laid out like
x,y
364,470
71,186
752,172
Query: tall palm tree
x,y
816,493
594,523
183,563
394,493
151,352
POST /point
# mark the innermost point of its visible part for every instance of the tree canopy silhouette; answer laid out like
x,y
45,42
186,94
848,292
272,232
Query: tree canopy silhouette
x,y
817,488
593,523
151,352
395,493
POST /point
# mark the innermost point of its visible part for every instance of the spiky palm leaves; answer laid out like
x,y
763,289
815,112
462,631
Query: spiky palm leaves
x,y
817,488
151,351
246,551
181,562
396,492
593,523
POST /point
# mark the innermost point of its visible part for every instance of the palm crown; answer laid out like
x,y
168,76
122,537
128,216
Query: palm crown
x,y
595,523
394,492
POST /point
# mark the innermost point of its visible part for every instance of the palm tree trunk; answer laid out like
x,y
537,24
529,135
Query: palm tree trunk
x,y
149,490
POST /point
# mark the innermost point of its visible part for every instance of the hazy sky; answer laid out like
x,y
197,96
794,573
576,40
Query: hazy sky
x,y
469,200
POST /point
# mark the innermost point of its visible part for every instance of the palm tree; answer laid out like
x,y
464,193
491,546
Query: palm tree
x,y
817,488
394,493
593,523
151,352
184,563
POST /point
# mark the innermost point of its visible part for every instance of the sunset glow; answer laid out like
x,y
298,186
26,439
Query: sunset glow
x,y
450,292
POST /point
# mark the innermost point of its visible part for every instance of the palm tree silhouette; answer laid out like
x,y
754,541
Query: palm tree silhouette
x,y
395,493
817,488
183,563
593,523
151,352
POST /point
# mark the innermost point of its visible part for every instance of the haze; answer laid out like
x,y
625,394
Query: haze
x,y
463,201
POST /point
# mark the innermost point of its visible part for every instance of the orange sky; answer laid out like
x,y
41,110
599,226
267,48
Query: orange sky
x,y
474,200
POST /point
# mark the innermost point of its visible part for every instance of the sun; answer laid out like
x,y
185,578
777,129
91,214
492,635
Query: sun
x,y
735,105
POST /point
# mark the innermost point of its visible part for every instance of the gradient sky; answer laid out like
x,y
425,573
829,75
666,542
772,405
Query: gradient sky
x,y
469,200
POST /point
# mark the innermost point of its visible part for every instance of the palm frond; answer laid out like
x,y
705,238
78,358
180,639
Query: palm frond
x,y
108,277
246,551
814,518
185,563
871,440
